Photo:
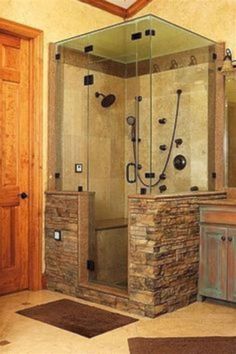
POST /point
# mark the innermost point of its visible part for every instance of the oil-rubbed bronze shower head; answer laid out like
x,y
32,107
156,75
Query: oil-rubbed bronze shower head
x,y
107,101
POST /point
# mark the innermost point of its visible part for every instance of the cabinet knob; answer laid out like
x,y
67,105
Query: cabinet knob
x,y
223,238
230,239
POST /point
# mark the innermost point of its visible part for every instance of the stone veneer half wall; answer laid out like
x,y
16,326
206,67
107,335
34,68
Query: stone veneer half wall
x,y
72,214
163,252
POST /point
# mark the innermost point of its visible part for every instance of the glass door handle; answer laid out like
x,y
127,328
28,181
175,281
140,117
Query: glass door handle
x,y
128,166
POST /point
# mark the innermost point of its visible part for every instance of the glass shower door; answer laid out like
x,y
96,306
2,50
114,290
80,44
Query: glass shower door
x,y
106,123
138,106
119,143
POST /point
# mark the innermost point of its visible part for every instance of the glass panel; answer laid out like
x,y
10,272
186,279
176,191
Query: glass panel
x,y
150,103
183,79
143,110
59,124
230,92
71,124
114,42
106,151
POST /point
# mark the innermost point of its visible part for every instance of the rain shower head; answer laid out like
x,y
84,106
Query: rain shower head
x,y
107,101
131,120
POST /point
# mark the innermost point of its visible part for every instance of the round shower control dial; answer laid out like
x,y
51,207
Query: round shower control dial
x,y
179,162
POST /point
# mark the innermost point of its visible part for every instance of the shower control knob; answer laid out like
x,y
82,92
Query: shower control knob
x,y
162,120
194,189
163,147
162,188
178,142
162,176
138,98
180,162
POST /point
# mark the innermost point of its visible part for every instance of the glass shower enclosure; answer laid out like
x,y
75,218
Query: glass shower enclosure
x,y
135,114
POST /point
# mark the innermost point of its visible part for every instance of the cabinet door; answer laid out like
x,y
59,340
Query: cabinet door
x,y
213,262
231,242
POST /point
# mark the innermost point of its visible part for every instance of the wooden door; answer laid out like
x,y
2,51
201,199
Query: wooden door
x,y
213,262
231,242
14,162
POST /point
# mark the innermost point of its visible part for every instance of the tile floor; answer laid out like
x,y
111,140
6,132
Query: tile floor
x,y
27,336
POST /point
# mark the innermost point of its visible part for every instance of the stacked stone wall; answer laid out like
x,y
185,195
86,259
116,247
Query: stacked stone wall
x,y
61,257
164,252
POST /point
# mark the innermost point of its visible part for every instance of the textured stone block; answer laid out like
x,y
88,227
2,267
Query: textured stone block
x,y
163,251
165,231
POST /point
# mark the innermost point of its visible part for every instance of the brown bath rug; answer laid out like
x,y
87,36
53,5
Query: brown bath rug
x,y
189,345
88,321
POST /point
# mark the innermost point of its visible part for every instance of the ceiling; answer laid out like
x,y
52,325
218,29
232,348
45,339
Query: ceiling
x,y
123,3
122,8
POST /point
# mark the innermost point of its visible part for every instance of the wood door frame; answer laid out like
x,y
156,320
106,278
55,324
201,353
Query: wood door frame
x,y
35,38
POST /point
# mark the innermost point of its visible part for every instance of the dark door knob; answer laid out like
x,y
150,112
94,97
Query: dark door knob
x,y
223,238
23,195
230,239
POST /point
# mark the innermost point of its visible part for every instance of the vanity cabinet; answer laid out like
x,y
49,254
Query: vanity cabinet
x,y
232,265
217,271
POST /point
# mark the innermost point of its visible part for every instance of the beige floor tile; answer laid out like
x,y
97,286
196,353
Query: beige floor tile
x,y
27,336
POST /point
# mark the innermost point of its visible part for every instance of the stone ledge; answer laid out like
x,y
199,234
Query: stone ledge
x,y
178,196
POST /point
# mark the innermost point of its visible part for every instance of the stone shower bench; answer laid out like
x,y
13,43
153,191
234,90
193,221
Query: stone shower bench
x,y
109,224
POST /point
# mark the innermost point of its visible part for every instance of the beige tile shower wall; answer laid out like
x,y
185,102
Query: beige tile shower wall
x,y
106,147
73,129
231,144
93,133
134,87
192,126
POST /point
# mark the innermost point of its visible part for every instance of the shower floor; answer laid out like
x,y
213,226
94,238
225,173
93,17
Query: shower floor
x,y
123,285
109,251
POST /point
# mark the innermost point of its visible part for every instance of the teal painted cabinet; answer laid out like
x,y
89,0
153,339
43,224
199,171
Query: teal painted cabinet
x,y
213,262
232,264
217,267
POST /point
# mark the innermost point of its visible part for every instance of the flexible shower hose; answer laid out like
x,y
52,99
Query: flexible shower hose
x,y
170,149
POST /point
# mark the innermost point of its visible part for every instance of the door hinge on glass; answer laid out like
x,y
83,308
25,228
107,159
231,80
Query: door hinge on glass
x,y
58,56
214,56
150,32
149,175
88,48
88,80
90,265
135,36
